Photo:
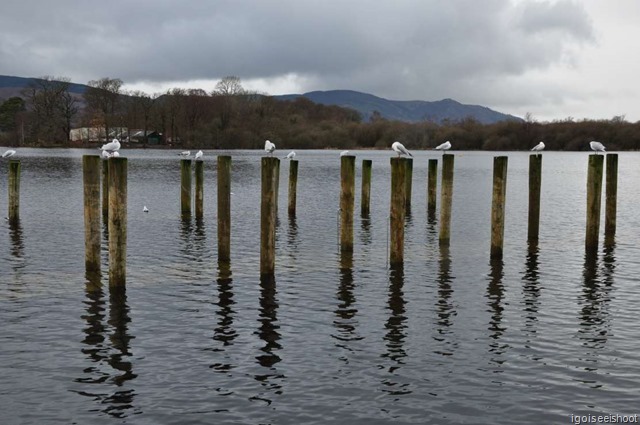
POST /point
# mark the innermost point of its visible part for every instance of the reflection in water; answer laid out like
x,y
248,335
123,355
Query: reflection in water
x,y
199,240
292,236
17,244
365,235
345,322
186,230
531,288
594,301
224,331
495,294
445,308
269,334
114,354
396,328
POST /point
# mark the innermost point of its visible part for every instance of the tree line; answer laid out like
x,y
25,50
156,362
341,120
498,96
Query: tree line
x,y
231,117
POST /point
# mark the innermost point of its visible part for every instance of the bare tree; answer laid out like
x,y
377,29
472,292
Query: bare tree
x,y
103,98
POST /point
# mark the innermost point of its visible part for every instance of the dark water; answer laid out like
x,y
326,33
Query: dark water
x,y
450,338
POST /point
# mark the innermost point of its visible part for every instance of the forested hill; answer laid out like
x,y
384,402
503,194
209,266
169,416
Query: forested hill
x,y
402,110
12,86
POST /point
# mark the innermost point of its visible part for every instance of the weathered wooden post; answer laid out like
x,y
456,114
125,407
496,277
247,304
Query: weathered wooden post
x,y
14,190
224,208
105,189
432,187
293,184
347,201
199,174
498,205
446,199
594,196
117,221
397,211
611,199
365,200
277,187
185,187
92,237
268,209
535,180
408,180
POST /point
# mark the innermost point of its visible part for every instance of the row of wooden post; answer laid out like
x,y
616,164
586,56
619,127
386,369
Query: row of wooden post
x,y
114,195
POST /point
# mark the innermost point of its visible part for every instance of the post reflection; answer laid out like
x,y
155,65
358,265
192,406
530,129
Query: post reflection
x,y
108,353
268,332
594,305
445,308
531,287
224,331
199,239
17,245
345,322
495,295
365,224
396,330
292,235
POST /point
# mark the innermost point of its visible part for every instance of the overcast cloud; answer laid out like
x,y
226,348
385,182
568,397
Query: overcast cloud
x,y
553,59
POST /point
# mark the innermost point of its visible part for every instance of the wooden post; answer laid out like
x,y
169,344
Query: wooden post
x,y
365,201
408,180
446,198
224,208
432,187
14,190
105,189
268,209
185,187
498,205
92,237
594,196
535,181
117,221
277,188
347,200
293,183
611,199
199,173
397,211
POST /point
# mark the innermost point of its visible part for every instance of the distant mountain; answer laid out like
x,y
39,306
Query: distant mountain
x,y
403,110
12,86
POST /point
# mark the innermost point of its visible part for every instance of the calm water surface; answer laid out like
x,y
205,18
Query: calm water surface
x,y
450,338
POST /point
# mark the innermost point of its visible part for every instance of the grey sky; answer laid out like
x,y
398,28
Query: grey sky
x,y
554,59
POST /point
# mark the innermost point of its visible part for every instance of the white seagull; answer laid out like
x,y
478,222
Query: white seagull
x,y
537,148
185,154
344,153
444,147
112,146
199,156
291,155
597,146
9,153
145,209
400,149
269,147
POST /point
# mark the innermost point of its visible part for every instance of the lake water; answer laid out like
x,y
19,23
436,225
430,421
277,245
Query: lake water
x,y
450,338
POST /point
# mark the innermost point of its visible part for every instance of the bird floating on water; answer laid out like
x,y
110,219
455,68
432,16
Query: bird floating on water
x,y
291,155
444,147
596,146
199,155
185,154
400,149
344,153
269,147
9,153
537,148
111,147
145,209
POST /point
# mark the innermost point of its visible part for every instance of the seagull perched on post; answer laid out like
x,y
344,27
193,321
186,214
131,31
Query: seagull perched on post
x,y
269,147
185,154
444,147
597,146
111,147
400,149
537,148
344,153
291,155
199,155
9,153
